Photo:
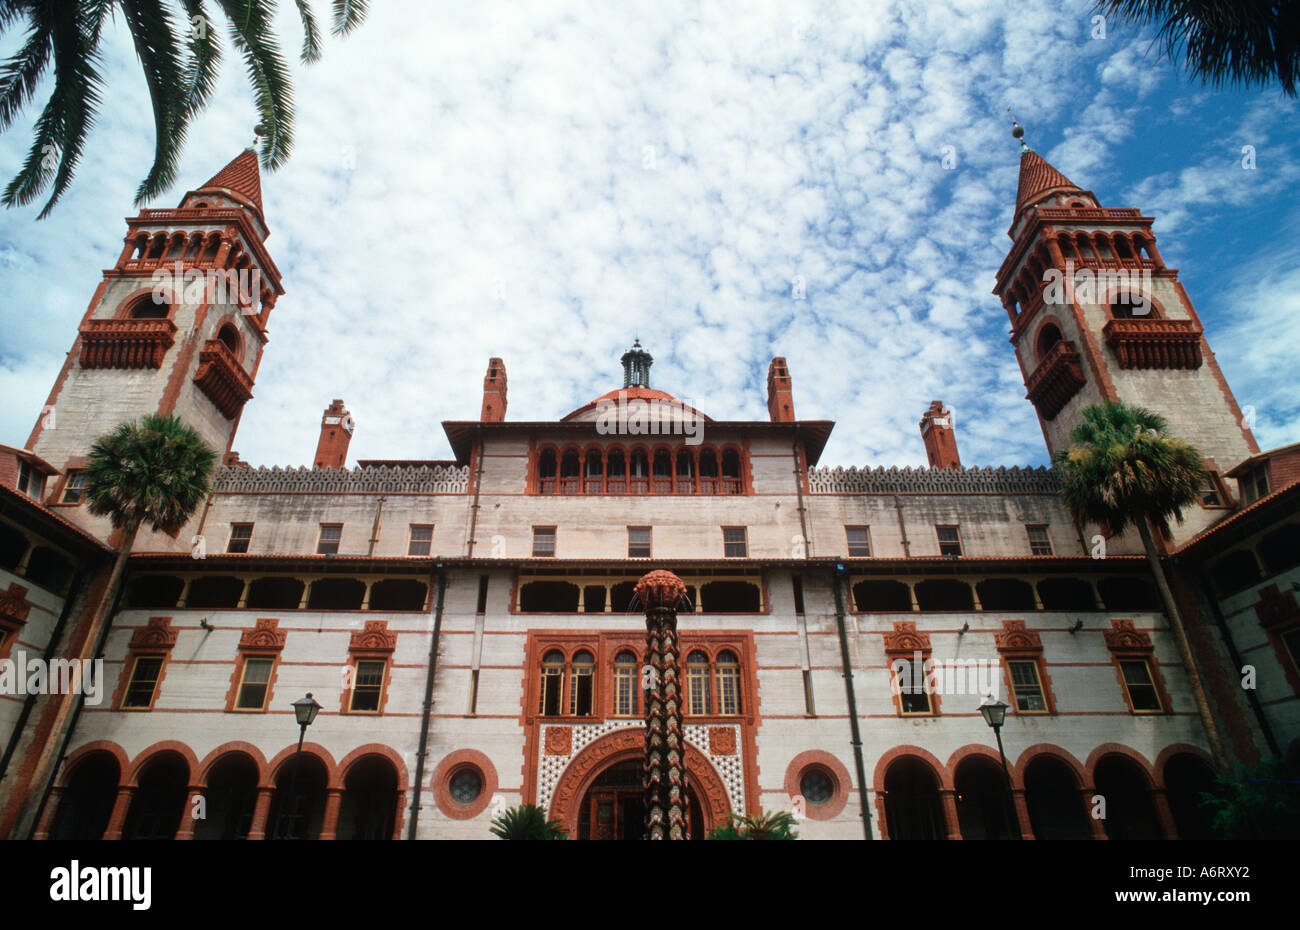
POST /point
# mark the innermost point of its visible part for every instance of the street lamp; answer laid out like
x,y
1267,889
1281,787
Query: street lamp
x,y
994,713
304,711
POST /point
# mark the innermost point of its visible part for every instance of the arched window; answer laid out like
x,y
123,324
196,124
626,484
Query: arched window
x,y
1048,337
582,682
546,469
229,338
730,472
1103,248
1122,248
663,472
1084,248
147,309
594,473
617,468
639,472
698,699
708,472
728,676
625,685
156,247
570,472
213,247
685,472
552,683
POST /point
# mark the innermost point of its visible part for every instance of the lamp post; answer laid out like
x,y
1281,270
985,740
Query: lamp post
x,y
304,711
994,713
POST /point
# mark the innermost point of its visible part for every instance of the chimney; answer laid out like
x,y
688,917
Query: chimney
x,y
336,427
780,394
940,440
494,392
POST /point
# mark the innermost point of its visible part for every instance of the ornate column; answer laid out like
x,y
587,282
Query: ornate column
x,y
186,830
665,744
1022,815
1094,823
257,829
1164,813
333,799
950,814
117,820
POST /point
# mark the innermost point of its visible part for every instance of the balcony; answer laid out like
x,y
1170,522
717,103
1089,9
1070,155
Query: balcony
x,y
126,343
1057,378
223,379
1154,343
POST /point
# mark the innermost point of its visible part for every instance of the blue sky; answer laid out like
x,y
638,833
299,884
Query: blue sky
x,y
543,182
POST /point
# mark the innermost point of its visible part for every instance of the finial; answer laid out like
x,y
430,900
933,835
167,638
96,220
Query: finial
x,y
1018,132
258,131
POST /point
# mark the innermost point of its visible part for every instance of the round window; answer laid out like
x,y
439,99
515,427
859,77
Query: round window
x,y
465,786
816,786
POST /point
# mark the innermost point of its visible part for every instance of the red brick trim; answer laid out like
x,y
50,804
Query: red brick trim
x,y
1178,749
1107,749
155,639
376,643
452,763
284,756
974,750
942,777
81,753
1017,643
147,756
832,767
236,747
1126,642
1048,749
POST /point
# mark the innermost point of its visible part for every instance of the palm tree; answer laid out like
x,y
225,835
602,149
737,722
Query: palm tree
x,y
1223,41
769,825
179,52
526,822
1122,468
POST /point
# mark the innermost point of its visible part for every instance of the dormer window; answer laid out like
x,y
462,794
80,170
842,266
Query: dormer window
x,y
1254,484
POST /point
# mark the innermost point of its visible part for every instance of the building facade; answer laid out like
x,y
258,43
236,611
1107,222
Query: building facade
x,y
470,629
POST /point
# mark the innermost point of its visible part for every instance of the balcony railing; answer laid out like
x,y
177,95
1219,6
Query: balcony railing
x,y
1154,343
658,485
126,343
223,379
1058,377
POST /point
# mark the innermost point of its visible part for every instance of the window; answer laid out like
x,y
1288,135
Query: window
x,y
625,685
638,542
728,684
582,679
734,542
144,680
913,689
1141,688
544,542
330,534
859,541
254,684
1027,687
240,536
30,481
465,785
949,540
552,682
816,786
368,688
1039,542
698,699
1254,484
75,488
1213,495
421,541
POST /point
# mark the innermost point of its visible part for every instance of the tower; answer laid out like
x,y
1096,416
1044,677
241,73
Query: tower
x,y
494,392
176,326
336,426
636,366
938,436
780,392
1097,315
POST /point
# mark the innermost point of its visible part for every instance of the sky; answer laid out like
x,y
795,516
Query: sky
x,y
544,182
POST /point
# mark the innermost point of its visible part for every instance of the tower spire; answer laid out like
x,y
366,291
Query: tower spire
x,y
636,366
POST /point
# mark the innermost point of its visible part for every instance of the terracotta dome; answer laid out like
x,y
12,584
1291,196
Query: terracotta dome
x,y
590,411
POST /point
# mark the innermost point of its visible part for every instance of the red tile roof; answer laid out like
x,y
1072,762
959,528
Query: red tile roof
x,y
241,178
1038,179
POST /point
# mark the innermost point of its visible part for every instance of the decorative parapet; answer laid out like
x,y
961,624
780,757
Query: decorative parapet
x,y
424,479
933,481
1057,378
1154,343
126,343
223,379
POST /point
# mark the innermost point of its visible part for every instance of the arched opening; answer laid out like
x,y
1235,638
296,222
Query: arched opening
x,y
1005,594
298,808
1235,572
616,481
398,594
49,569
1048,337
230,797
614,806
1128,594
622,597
1280,549
215,591
736,597
685,472
1187,778
730,472
1131,307
582,684
155,591
593,599
13,546
882,595
944,594
369,807
229,338
336,594
159,802
547,467
275,593
984,805
662,468
1122,248
593,473
570,472
1066,594
913,808
146,308
1130,813
1056,808
87,802
549,597
639,472
708,472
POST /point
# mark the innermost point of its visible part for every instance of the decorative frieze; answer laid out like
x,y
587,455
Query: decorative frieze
x,y
933,481
424,479
126,343
1154,343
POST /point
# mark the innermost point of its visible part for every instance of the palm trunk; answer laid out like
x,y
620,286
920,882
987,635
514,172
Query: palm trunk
x,y
1184,648
46,763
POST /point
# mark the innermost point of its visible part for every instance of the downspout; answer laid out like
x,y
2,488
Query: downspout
x,y
798,486
853,704
907,546
374,530
428,703
76,711
478,484
56,635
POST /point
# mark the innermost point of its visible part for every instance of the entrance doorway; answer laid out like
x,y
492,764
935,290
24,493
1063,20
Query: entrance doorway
x,y
614,806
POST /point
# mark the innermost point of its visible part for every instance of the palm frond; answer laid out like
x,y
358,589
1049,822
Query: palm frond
x,y
311,48
154,36
348,15
252,37
21,73
204,57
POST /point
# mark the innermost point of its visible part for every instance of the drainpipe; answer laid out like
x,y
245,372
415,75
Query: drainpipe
x,y
428,702
478,484
836,574
374,530
798,486
56,635
907,546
